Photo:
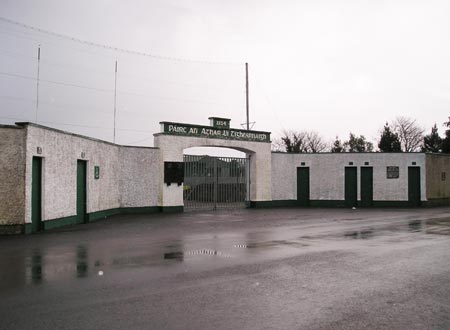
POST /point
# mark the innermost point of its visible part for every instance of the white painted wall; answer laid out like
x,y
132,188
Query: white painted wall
x,y
327,174
128,176
139,177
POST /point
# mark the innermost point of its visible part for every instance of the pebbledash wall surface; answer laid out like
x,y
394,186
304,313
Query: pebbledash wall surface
x,y
126,179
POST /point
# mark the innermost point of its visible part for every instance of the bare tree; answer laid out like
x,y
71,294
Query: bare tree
x,y
409,133
315,142
299,142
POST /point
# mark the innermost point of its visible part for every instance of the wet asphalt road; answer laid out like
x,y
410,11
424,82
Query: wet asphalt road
x,y
246,269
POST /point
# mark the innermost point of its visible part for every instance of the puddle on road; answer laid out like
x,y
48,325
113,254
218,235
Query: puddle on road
x,y
415,226
363,234
180,256
269,244
38,265
438,226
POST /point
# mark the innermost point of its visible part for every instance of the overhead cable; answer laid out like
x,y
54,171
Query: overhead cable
x,y
117,49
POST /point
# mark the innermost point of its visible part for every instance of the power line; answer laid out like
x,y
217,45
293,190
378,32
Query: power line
x,y
79,125
117,49
55,82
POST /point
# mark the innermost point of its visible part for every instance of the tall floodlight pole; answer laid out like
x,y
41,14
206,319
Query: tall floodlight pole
x,y
115,103
246,95
37,83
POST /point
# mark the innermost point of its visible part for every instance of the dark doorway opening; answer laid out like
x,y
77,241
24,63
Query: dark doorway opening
x,y
303,193
366,186
36,195
414,186
351,187
81,192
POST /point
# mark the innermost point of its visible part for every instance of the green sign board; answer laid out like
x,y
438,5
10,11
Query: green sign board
x,y
217,122
213,132
96,172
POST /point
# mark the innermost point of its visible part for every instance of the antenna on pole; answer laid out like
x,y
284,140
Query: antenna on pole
x,y
246,96
246,125
115,103
37,83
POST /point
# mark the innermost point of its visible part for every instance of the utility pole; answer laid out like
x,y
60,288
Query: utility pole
x,y
37,83
115,103
246,95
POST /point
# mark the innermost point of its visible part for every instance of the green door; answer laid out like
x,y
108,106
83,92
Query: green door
x,y
81,192
414,186
366,186
36,195
303,186
350,187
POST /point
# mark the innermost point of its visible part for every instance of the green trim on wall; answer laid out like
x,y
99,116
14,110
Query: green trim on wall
x,y
403,204
140,210
436,202
277,203
13,229
103,214
72,220
328,203
61,222
172,209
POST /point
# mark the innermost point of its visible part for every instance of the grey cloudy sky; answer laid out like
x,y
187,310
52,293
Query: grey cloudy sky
x,y
330,66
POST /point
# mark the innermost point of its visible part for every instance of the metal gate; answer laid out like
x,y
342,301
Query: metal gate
x,y
212,183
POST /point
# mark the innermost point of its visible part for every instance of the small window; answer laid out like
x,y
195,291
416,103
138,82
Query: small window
x,y
302,163
392,172
366,163
350,163
414,163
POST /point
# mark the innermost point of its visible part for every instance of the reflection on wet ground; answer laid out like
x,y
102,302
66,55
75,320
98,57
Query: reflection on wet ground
x,y
45,265
269,244
82,262
363,234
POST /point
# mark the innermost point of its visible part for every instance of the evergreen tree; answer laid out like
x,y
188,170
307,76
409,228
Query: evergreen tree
x,y
445,145
389,141
432,142
358,144
337,146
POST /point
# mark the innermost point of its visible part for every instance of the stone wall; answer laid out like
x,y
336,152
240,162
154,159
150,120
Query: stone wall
x,y
438,178
12,175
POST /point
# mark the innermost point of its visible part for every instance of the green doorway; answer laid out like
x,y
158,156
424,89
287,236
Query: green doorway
x,y
303,186
351,187
36,195
414,186
81,192
366,186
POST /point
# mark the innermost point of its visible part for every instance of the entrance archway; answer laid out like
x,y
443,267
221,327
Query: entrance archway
x,y
176,137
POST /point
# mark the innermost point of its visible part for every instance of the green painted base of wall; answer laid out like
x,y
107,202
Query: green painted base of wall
x,y
294,203
172,209
56,223
12,229
437,202
91,217
102,214
330,203
123,210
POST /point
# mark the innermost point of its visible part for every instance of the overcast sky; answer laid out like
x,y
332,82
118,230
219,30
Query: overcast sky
x,y
329,66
